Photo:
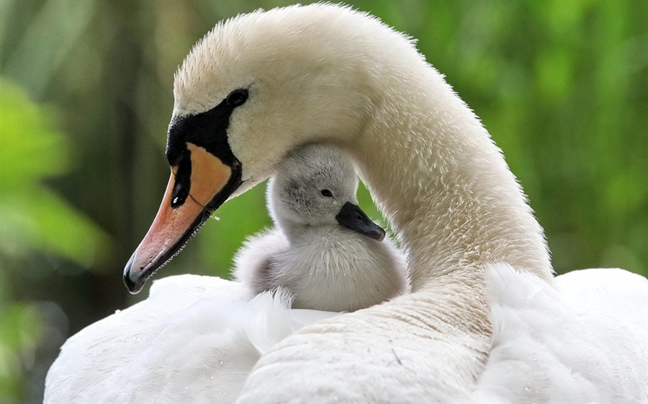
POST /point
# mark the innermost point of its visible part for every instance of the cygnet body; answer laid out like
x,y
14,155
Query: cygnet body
x,y
323,249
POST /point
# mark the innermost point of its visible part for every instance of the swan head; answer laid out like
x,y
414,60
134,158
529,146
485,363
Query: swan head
x,y
253,89
300,83
315,186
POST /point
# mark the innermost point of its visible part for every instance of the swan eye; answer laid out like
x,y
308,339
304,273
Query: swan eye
x,y
237,97
326,193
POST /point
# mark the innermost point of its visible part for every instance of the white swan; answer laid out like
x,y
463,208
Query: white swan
x,y
261,84
324,250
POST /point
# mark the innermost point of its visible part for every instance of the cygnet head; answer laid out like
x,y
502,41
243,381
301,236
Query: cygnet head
x,y
316,185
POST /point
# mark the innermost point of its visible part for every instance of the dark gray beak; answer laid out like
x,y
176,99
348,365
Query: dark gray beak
x,y
352,217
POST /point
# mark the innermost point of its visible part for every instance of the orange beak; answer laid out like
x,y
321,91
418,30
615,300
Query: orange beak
x,y
182,212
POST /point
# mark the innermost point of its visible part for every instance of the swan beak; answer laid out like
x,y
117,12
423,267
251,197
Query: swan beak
x,y
198,185
352,217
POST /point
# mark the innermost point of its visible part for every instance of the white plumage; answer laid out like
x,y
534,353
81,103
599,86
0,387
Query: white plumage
x,y
486,320
576,343
193,340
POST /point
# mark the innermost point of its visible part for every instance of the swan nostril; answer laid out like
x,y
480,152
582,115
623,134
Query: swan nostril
x,y
182,180
179,195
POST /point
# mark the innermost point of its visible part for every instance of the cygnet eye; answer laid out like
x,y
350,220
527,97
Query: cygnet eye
x,y
326,193
237,97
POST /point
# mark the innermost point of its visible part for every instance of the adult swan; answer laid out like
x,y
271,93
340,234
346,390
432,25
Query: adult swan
x,y
486,320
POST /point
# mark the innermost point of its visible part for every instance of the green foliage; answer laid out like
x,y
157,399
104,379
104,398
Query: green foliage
x,y
235,221
33,219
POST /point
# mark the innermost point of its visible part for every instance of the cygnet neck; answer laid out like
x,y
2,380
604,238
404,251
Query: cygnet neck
x,y
297,232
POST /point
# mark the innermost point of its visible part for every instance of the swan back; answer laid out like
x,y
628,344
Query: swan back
x,y
194,339
583,341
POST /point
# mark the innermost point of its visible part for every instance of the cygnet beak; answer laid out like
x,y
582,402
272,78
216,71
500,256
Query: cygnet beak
x,y
200,182
352,217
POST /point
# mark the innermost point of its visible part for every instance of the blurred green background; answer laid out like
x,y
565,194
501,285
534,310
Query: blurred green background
x,y
86,96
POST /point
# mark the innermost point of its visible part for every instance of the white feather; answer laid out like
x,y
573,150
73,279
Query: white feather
x,y
566,344
194,339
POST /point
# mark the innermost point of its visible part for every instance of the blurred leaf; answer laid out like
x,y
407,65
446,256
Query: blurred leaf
x,y
29,149
39,220
33,217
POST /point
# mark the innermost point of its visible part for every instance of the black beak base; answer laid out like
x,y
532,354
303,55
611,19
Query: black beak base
x,y
352,217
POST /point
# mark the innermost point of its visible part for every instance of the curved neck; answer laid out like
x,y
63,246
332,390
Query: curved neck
x,y
443,183
455,205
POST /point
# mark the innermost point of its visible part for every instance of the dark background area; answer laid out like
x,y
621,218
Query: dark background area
x,y
86,96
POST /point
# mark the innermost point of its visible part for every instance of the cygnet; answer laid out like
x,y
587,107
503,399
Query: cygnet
x,y
323,249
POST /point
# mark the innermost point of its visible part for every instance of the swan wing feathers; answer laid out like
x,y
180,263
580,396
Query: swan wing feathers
x,y
584,341
194,339
270,318
114,341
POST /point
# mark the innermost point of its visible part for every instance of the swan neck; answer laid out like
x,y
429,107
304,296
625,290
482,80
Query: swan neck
x,y
443,184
